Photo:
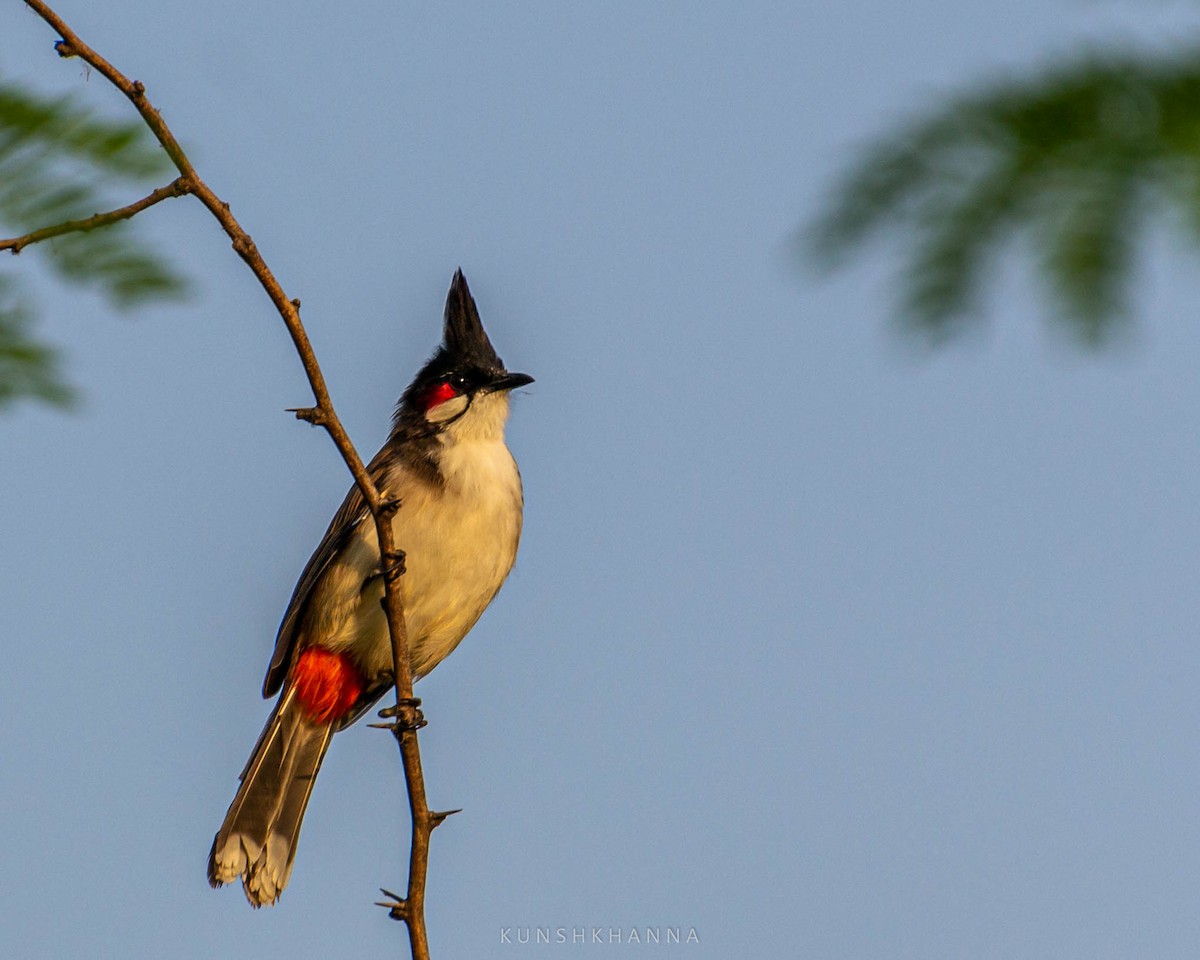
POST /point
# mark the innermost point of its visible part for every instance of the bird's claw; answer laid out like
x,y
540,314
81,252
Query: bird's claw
x,y
395,567
389,505
405,715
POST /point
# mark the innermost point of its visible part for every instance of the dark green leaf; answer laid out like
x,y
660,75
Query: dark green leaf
x,y
1074,158
28,368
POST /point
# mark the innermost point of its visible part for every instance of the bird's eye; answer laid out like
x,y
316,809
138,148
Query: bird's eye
x,y
459,382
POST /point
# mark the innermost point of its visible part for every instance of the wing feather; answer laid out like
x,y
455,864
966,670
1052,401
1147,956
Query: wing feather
x,y
346,521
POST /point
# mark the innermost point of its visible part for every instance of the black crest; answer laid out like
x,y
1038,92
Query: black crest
x,y
463,336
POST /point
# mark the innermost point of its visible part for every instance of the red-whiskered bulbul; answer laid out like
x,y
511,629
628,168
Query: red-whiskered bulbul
x,y
458,524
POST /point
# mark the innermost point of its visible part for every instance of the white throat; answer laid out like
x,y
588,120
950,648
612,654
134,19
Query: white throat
x,y
483,419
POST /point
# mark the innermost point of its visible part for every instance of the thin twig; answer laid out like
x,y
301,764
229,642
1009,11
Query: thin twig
x,y
176,188
412,908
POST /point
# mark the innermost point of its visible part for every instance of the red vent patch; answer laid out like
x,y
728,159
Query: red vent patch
x,y
327,684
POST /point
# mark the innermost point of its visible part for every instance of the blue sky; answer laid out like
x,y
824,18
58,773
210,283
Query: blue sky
x,y
818,643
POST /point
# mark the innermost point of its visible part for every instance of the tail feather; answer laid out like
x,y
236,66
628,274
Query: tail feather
x,y
257,841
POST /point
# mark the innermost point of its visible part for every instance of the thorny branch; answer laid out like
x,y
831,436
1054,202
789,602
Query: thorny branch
x,y
410,908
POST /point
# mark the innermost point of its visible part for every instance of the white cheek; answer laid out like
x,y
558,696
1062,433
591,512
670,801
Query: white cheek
x,y
446,410
485,420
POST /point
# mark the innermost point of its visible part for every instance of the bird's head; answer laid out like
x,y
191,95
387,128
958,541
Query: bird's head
x,y
463,388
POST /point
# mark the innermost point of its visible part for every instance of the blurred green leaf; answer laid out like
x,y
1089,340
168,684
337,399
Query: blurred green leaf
x,y
58,162
1074,158
27,368
122,148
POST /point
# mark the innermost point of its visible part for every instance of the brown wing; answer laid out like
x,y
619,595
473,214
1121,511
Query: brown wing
x,y
352,512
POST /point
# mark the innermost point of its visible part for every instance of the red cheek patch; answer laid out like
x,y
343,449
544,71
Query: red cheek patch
x,y
327,684
439,394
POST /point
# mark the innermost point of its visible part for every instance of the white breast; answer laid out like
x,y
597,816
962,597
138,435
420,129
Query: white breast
x,y
460,542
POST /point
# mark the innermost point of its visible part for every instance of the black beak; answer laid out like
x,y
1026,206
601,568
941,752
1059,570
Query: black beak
x,y
510,381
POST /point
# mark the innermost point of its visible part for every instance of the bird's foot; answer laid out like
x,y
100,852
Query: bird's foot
x,y
394,568
404,714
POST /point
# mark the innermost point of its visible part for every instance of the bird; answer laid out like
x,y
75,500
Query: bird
x,y
458,525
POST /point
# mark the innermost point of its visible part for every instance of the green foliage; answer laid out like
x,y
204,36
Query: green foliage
x,y
27,368
59,163
1073,160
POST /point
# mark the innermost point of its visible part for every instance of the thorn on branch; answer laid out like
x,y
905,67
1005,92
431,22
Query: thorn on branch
x,y
314,415
438,817
397,906
64,49
296,304
139,88
387,508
